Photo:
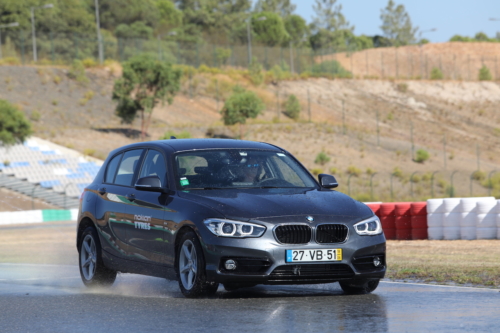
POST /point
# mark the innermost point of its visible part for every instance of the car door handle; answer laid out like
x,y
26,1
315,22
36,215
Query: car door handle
x,y
102,190
130,197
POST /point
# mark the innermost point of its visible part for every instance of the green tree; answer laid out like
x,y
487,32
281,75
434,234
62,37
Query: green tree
x,y
240,106
436,74
136,30
270,31
329,16
283,8
292,107
396,24
145,82
169,17
14,127
296,27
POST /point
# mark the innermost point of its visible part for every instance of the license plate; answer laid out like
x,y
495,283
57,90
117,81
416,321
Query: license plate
x,y
314,255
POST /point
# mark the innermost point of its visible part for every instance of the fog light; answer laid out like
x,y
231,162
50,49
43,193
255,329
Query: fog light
x,y
230,265
376,262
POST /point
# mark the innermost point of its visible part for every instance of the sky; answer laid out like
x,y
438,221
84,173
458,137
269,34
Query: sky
x,y
448,17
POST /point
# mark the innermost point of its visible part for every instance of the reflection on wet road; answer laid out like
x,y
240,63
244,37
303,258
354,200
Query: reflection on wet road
x,y
48,298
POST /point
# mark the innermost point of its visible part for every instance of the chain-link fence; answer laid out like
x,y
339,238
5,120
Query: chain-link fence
x,y
455,61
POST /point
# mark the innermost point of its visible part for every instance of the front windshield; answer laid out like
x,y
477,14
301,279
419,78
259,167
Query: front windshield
x,y
236,168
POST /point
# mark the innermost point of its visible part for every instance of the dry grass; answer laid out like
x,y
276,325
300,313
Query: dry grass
x,y
461,262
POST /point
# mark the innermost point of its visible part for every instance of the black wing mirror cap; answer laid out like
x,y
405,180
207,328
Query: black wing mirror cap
x,y
149,183
327,181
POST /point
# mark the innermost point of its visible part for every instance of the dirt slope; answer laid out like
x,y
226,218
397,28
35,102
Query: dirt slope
x,y
82,117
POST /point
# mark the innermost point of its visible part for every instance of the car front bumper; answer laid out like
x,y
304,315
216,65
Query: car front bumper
x,y
263,261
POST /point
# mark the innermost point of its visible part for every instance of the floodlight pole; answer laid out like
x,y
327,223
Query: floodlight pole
x,y
249,37
99,37
49,5
15,24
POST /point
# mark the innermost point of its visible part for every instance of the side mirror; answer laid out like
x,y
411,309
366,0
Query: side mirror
x,y
149,183
327,181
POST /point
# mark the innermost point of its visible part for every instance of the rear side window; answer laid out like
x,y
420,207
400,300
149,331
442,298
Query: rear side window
x,y
127,167
111,171
154,165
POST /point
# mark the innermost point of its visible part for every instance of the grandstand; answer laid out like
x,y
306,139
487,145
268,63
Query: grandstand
x,y
47,171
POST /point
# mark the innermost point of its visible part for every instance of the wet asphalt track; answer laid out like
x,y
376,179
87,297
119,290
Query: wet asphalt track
x,y
51,298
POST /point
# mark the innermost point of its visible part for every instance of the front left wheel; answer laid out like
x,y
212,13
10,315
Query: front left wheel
x,y
92,269
191,268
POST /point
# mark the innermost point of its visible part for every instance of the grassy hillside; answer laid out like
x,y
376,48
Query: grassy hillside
x,y
364,126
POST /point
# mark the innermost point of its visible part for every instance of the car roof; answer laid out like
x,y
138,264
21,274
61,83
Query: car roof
x,y
195,144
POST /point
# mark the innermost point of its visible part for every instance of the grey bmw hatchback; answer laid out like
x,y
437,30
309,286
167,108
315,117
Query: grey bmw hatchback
x,y
215,211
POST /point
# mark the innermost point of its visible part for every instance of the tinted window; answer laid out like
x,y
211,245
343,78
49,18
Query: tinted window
x,y
111,171
127,167
154,165
233,168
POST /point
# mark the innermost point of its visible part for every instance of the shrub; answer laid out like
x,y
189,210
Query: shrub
x,y
332,67
485,74
479,175
57,79
181,135
89,62
10,61
322,158
255,70
35,115
334,171
352,170
14,128
316,171
422,156
436,74
397,172
402,87
77,72
370,171
292,107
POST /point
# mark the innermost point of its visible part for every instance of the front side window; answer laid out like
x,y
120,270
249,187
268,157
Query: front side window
x,y
127,167
234,168
154,165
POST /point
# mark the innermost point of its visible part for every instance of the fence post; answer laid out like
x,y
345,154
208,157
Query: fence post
x,y
452,188
278,101
343,117
371,185
382,64
397,62
411,183
471,179
444,150
349,184
22,46
53,55
392,192
478,158
432,183
366,61
378,131
309,103
490,185
412,143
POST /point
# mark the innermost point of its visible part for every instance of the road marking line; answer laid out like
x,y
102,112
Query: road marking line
x,y
441,285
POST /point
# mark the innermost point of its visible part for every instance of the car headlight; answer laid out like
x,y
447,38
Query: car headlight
x,y
228,228
371,226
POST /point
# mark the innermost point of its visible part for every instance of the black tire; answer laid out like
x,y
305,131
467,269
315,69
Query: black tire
x,y
92,269
359,288
190,268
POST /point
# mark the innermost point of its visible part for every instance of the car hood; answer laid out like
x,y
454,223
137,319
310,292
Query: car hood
x,y
279,205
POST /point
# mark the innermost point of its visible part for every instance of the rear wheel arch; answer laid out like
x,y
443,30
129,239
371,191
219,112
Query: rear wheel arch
x,y
84,224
